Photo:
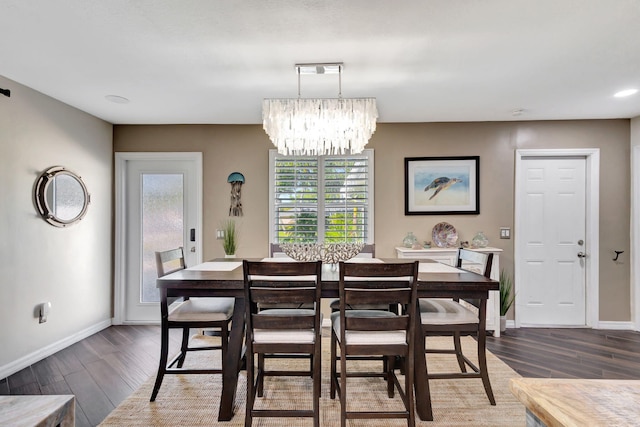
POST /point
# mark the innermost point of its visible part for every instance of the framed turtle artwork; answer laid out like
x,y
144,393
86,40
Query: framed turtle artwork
x,y
441,185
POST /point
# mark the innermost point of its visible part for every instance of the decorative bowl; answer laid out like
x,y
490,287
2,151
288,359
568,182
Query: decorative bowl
x,y
444,235
331,253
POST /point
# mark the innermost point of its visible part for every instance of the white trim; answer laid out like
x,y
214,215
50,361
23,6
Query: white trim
x,y
635,239
592,237
140,322
618,326
610,325
121,160
41,353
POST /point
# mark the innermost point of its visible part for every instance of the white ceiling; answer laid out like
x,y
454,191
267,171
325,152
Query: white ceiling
x,y
213,61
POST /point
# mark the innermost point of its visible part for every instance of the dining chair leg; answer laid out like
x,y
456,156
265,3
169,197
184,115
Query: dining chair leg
x,y
224,337
317,384
343,387
251,394
421,375
458,348
409,392
162,366
260,381
183,347
390,366
482,364
333,378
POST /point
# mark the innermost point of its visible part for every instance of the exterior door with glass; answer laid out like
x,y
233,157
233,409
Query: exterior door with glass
x,y
162,211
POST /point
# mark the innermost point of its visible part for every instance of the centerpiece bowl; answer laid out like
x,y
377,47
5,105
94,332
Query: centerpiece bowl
x,y
331,253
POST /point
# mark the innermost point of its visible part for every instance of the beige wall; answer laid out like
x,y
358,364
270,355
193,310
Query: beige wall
x,y
244,148
70,267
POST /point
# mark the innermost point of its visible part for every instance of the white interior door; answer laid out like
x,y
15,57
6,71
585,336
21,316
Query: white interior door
x,y
162,200
551,242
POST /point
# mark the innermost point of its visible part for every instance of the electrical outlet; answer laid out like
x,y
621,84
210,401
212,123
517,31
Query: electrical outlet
x,y
43,311
219,234
505,233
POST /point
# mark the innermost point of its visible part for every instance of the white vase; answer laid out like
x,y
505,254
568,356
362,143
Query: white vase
x,y
503,323
230,255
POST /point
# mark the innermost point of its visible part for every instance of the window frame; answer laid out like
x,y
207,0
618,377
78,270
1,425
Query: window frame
x,y
369,153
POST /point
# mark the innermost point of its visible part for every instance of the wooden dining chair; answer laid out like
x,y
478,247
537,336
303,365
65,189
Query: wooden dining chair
x,y
282,331
451,317
190,313
363,333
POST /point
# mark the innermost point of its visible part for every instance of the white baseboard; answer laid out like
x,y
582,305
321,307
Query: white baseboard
x,y
622,326
36,356
612,325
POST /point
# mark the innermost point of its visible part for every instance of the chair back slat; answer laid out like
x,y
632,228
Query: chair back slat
x,y
276,269
169,261
376,295
286,294
266,321
396,323
377,269
484,260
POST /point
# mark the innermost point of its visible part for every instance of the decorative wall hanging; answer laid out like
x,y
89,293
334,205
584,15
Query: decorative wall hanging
x,y
61,197
441,185
236,179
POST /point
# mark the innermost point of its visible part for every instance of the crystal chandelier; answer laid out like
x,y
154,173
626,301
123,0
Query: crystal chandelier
x,y
319,126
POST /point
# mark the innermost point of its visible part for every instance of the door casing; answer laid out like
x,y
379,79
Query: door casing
x,y
592,286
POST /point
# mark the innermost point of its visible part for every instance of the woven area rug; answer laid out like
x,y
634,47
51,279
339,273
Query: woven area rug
x,y
193,400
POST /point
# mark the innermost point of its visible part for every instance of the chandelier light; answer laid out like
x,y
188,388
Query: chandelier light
x,y
319,126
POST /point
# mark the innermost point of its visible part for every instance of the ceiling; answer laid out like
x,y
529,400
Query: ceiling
x,y
213,61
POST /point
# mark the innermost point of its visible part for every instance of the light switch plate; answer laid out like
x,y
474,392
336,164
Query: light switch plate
x,y
505,233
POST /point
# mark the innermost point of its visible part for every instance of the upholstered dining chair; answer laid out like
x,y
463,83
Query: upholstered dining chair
x,y
282,331
190,313
363,333
450,317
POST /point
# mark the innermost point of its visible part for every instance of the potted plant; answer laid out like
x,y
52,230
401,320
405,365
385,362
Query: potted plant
x,y
507,297
229,242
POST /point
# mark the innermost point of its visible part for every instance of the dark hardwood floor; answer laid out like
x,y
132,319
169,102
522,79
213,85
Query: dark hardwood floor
x,y
103,369
569,353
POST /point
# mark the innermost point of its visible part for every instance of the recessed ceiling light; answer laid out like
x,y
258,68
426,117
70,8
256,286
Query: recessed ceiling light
x,y
117,99
626,92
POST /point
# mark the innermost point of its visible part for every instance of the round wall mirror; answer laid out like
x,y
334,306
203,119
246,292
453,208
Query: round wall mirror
x,y
61,196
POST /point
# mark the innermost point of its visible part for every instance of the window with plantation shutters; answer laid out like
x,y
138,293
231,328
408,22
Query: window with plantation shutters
x,y
321,199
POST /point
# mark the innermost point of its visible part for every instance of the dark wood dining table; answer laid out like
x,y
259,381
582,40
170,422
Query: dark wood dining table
x,y
196,282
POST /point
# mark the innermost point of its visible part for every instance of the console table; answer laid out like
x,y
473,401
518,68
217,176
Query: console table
x,y
29,411
448,256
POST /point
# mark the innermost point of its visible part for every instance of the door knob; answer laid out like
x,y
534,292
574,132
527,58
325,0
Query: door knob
x,y
582,255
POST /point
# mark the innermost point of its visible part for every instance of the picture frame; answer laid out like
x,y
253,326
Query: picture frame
x,y
442,185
